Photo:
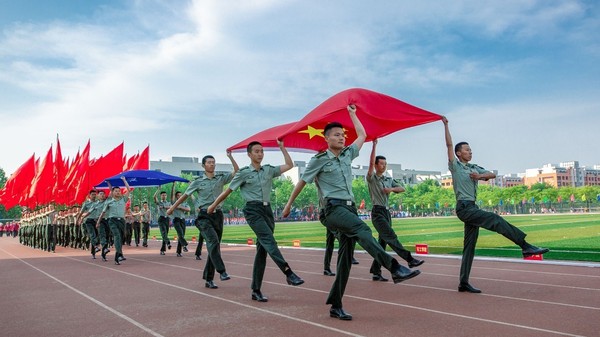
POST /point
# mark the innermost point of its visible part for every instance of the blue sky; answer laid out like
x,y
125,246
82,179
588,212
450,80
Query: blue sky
x,y
518,80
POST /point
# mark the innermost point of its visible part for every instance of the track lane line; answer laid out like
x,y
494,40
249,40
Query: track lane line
x,y
97,302
326,292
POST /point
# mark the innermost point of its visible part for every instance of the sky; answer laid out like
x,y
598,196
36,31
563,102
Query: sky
x,y
519,80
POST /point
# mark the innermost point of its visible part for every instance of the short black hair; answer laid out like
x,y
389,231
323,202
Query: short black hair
x,y
459,145
252,143
205,158
332,125
378,158
93,191
163,192
115,187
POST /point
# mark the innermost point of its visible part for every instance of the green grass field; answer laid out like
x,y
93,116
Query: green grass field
x,y
569,237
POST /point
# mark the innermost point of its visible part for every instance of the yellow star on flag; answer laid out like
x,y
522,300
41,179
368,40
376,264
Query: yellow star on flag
x,y
312,132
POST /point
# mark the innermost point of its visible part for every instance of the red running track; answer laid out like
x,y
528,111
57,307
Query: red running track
x,y
69,294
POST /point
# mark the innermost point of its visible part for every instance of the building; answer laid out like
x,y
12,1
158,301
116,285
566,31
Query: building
x,y
179,166
550,174
564,174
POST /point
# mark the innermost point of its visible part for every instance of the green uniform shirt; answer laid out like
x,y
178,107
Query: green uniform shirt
x,y
178,213
52,217
90,206
334,173
255,185
114,208
208,189
376,185
146,215
465,188
101,207
322,201
163,206
137,217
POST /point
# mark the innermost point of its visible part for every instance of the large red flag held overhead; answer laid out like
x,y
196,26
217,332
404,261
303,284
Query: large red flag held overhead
x,y
380,114
268,138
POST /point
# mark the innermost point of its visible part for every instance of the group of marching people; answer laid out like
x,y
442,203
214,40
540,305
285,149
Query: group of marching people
x,y
331,172
10,229
83,227
46,228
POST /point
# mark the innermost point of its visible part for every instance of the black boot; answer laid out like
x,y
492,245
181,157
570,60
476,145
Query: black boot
x,y
104,252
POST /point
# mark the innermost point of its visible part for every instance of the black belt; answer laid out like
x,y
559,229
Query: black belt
x,y
256,202
205,210
465,202
380,207
116,218
162,217
335,202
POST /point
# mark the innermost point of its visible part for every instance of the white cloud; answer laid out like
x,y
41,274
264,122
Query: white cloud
x,y
196,77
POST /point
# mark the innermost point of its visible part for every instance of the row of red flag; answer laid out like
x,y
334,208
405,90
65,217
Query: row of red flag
x,y
62,181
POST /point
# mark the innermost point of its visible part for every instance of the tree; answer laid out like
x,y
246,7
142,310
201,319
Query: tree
x,y
2,178
307,198
361,192
282,189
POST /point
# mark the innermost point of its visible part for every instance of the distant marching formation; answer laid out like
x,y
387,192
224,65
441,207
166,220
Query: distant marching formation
x,y
103,221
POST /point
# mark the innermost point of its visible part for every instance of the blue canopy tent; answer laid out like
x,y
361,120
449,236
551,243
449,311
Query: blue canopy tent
x,y
140,178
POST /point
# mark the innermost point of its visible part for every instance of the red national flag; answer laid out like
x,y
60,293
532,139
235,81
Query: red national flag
x,y
43,183
18,184
268,138
142,162
380,114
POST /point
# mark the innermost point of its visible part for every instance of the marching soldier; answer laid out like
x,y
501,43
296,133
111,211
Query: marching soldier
x,y
163,219
255,183
114,208
210,226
